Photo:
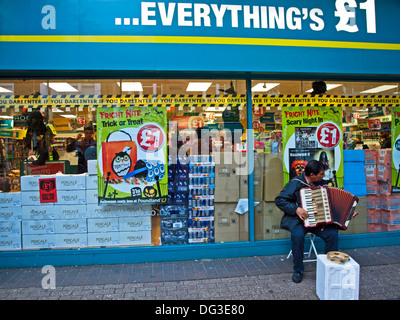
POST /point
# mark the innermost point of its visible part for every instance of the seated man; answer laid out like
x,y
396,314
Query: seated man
x,y
288,200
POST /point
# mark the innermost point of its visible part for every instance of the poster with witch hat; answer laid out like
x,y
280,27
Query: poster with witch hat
x,y
132,155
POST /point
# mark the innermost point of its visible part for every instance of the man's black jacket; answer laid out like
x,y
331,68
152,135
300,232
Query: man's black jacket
x,y
288,200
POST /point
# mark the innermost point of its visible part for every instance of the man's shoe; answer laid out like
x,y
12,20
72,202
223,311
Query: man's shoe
x,y
297,277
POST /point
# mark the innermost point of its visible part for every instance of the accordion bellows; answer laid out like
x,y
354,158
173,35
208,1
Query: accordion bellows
x,y
327,205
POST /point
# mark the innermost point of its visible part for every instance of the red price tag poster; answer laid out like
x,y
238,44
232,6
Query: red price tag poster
x,y
150,137
47,190
328,135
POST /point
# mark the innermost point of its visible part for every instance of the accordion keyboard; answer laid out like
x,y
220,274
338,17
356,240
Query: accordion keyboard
x,y
316,203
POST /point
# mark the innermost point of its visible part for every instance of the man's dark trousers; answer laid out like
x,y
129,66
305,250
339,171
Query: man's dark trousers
x,y
329,234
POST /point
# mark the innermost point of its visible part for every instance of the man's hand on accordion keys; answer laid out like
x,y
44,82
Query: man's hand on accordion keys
x,y
302,213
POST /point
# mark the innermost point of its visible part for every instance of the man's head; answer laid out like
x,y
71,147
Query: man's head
x,y
88,131
315,171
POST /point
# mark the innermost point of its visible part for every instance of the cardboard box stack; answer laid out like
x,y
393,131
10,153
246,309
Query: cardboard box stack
x,y
383,206
267,215
227,223
10,221
76,220
354,178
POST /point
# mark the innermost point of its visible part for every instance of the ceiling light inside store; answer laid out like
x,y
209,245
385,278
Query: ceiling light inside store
x,y
198,86
4,90
264,86
131,86
61,87
380,89
6,117
329,86
71,116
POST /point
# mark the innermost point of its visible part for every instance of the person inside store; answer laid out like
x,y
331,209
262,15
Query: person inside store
x,y
85,147
42,153
386,142
319,87
288,200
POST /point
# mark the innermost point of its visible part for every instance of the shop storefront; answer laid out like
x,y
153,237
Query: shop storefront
x,y
170,127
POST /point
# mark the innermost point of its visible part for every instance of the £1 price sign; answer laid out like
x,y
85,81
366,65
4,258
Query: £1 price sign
x,y
328,135
150,137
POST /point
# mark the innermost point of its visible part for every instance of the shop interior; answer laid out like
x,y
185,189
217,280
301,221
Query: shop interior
x,y
363,128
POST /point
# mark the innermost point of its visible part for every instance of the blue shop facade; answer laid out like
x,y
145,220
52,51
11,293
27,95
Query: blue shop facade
x,y
226,103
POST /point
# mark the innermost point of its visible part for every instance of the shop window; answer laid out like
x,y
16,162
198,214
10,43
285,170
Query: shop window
x,y
204,192
282,153
205,129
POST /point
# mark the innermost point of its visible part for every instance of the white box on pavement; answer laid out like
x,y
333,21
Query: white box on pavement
x,y
337,281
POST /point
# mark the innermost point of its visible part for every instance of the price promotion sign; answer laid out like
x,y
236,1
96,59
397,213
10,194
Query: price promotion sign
x,y
313,133
132,155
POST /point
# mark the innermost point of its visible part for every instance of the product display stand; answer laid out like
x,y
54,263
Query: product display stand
x,y
174,215
201,199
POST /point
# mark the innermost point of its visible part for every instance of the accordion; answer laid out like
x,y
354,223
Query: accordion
x,y
327,205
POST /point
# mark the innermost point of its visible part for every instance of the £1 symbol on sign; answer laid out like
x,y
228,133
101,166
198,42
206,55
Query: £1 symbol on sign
x,y
150,137
328,135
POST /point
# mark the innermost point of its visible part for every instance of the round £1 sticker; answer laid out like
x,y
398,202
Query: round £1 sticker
x,y
150,137
328,135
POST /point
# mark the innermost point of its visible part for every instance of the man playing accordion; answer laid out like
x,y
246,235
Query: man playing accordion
x,y
288,200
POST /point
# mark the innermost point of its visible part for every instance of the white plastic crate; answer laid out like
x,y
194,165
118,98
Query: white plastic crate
x,y
337,281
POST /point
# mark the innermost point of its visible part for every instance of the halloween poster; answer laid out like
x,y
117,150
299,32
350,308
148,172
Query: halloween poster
x,y
313,134
132,155
395,152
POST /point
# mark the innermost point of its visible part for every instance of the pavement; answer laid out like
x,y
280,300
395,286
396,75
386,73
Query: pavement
x,y
246,278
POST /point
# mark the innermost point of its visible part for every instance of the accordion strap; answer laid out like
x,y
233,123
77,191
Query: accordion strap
x,y
305,183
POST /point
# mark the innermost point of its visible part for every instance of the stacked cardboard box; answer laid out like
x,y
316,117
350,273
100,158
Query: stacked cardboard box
x,y
354,178
10,221
267,214
75,220
227,194
383,207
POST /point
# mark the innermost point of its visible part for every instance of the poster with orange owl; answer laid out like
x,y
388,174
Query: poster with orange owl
x,y
313,133
132,155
